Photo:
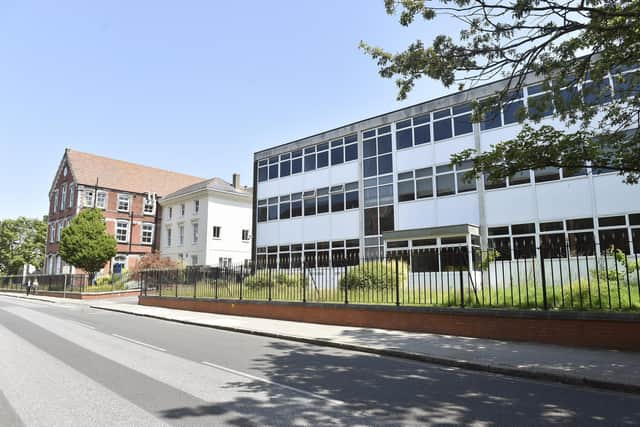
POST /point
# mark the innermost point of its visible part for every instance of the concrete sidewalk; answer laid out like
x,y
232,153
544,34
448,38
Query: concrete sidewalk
x,y
607,369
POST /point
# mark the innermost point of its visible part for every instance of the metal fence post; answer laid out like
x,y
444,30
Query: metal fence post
x,y
346,285
176,285
304,282
270,284
227,274
461,289
397,284
544,282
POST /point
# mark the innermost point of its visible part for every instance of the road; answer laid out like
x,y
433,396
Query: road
x,y
70,365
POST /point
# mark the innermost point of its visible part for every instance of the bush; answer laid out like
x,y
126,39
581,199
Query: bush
x,y
261,278
153,262
375,275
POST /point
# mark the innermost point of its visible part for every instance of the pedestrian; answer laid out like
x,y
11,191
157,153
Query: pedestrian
x,y
28,286
34,286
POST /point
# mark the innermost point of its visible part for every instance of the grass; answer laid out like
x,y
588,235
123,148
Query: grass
x,y
586,294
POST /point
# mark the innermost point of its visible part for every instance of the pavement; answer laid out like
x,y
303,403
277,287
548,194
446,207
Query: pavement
x,y
598,368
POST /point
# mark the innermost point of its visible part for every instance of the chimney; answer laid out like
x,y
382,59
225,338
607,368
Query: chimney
x,y
236,181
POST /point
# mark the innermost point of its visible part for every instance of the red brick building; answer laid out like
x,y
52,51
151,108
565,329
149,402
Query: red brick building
x,y
127,193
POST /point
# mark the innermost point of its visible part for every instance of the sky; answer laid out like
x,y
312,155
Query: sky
x,y
195,87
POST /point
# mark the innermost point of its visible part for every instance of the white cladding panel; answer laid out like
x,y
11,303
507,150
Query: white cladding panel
x,y
338,226
414,158
510,205
462,209
569,198
612,196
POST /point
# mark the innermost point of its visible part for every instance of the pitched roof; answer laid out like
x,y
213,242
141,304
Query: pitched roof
x,y
215,184
126,176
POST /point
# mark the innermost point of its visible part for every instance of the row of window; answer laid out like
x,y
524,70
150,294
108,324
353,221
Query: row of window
x,y
314,254
571,237
62,205
90,198
55,229
341,150
536,101
123,232
424,183
182,209
195,234
337,198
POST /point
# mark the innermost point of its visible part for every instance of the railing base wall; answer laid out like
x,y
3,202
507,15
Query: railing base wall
x,y
602,330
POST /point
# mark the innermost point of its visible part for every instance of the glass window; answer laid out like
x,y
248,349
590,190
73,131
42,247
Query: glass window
x,y
273,169
445,184
123,202
581,244
513,111
351,199
296,208
310,162
490,184
122,231
465,184
404,138
424,188
285,210
524,247
492,119
309,206
196,232
384,144
611,221
323,159
522,177
370,148
350,152
462,124
597,92
371,221
527,228
337,155
612,239
386,218
337,202
442,129
580,224
263,174
370,167
551,226
285,168
101,199
385,164
549,173
323,204
540,105
273,212
296,165
626,85
406,191
385,194
422,134
502,245
553,245
262,214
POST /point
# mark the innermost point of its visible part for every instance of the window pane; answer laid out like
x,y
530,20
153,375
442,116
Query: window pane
x,y
371,221
442,130
262,214
445,185
597,92
422,134
491,184
386,218
385,164
404,138
405,191
424,188
626,85
285,168
617,238
540,106
285,210
581,244
462,124
262,174
425,260
370,148
273,171
580,224
337,156
553,246
351,200
528,228
513,111
337,202
323,159
309,162
503,247
350,152
465,184
309,206
524,247
635,234
323,204
273,212
370,167
296,165
492,119
384,144
296,208
385,194
370,197
523,177
547,174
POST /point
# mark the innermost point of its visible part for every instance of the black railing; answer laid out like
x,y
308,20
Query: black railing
x,y
68,282
449,277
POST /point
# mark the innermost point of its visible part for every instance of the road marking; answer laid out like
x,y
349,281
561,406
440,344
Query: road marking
x,y
139,342
264,380
86,325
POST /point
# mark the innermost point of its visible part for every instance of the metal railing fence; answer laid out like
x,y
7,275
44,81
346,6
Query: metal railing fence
x,y
424,277
69,282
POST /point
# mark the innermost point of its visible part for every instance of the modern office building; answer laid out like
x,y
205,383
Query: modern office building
x,y
207,223
385,184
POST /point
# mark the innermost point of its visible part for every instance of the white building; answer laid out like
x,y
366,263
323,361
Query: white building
x,y
207,223
386,184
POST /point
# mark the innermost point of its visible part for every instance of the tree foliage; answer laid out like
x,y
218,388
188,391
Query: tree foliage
x,y
570,46
22,241
153,261
85,242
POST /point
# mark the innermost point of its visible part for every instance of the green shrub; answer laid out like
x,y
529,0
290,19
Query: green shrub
x,y
375,275
261,278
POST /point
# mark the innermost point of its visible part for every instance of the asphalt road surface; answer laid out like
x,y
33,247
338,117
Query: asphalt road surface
x,y
70,365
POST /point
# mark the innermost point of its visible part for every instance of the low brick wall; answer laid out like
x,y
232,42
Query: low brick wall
x,y
587,329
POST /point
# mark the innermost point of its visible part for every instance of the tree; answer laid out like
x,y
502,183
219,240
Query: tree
x,y
22,241
571,46
85,242
153,261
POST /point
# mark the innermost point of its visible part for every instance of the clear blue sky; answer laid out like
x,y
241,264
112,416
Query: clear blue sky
x,y
194,86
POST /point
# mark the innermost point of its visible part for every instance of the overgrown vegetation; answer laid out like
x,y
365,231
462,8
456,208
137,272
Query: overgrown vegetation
x,y
375,275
